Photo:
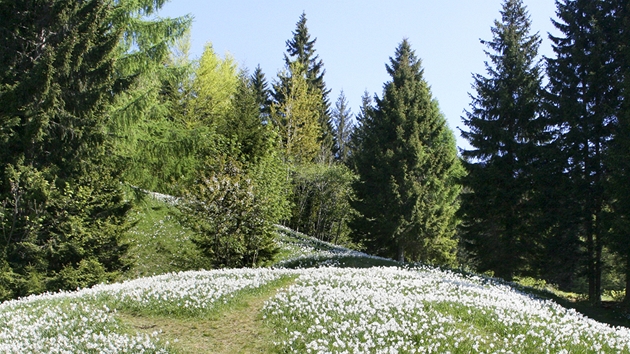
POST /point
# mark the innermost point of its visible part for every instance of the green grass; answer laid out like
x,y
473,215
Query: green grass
x,y
158,243
232,327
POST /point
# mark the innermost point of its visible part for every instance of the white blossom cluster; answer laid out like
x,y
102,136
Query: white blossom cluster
x,y
326,310
84,321
40,326
393,310
183,293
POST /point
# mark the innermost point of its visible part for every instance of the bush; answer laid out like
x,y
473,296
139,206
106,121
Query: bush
x,y
231,227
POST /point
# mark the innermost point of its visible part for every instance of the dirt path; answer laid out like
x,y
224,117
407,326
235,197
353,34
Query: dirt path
x,y
238,329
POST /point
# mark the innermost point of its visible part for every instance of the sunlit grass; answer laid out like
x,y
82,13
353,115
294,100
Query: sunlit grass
x,y
158,243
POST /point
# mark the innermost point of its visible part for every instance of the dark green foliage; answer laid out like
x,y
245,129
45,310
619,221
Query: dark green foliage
x,y
581,104
302,49
262,92
618,158
506,130
407,165
321,195
343,126
243,123
61,206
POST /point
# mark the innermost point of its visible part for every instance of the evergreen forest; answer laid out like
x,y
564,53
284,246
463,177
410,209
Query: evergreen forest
x,y
101,104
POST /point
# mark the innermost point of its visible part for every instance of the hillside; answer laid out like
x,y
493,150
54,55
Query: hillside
x,y
319,298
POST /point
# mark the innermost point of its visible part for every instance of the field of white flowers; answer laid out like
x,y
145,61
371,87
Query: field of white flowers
x,y
426,310
85,321
325,310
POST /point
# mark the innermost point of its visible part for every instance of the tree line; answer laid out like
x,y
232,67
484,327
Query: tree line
x,y
544,194
96,97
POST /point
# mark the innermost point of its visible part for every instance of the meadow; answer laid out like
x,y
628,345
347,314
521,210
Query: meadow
x,y
319,298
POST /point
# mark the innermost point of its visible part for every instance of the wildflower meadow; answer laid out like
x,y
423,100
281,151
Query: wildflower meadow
x,y
324,309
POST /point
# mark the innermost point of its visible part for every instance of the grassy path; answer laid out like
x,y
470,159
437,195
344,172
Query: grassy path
x,y
237,328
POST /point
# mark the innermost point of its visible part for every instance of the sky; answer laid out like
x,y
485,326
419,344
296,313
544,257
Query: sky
x,y
355,39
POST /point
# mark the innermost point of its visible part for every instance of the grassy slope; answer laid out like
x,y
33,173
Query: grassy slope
x,y
160,245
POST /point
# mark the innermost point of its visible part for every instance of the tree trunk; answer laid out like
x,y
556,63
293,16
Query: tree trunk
x,y
626,300
590,256
401,253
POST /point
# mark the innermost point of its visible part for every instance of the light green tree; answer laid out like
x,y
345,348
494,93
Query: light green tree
x,y
296,118
216,82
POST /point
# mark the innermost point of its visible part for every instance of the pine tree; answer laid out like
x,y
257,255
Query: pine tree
x,y
505,130
263,93
301,49
62,211
406,163
342,118
581,93
618,161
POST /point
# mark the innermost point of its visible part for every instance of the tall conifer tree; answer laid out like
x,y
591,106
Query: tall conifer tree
x,y
618,186
505,131
581,106
62,211
301,49
342,117
407,163
262,92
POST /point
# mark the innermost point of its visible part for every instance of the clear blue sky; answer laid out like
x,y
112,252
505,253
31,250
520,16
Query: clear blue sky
x,y
355,39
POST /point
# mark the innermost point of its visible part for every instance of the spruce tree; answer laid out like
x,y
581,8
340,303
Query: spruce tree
x,y
301,49
342,118
618,161
406,161
357,136
62,211
506,129
580,105
262,92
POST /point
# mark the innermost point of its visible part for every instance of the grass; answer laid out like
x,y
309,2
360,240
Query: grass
x,y
158,243
235,327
